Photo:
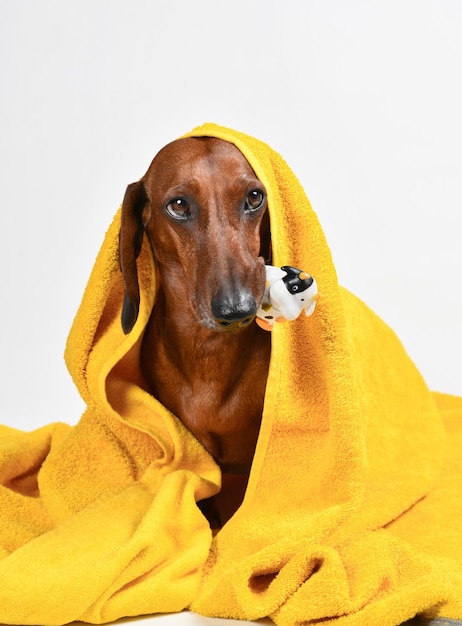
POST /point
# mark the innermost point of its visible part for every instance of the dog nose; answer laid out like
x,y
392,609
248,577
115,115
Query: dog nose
x,y
234,311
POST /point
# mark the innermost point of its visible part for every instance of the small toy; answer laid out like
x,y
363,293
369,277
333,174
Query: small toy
x,y
288,292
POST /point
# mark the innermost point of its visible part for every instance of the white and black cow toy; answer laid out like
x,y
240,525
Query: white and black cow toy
x,y
288,292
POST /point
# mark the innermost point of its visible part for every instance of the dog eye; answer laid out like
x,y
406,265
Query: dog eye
x,y
254,200
178,209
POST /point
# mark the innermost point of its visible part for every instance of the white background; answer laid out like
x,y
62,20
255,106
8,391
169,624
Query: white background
x,y
363,99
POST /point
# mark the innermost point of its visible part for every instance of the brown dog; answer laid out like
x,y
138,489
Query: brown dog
x,y
205,215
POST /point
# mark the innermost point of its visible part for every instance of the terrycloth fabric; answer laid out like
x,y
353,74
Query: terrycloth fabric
x,y
353,511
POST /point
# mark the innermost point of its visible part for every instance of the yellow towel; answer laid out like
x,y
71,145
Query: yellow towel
x,y
353,511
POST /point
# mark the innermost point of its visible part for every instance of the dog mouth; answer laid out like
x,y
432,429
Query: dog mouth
x,y
226,325
230,326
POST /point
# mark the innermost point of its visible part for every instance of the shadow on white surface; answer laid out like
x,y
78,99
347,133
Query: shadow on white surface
x,y
187,618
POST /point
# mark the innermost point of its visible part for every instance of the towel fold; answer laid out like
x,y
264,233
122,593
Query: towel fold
x,y
353,510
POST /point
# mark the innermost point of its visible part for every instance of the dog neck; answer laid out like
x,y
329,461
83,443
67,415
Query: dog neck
x,y
214,382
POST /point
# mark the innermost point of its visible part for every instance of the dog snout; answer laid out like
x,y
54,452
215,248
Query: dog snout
x,y
233,311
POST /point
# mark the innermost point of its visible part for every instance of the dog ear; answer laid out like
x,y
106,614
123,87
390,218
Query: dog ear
x,y
130,242
265,239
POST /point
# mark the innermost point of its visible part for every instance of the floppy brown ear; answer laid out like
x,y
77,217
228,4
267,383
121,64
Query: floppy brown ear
x,y
130,241
265,239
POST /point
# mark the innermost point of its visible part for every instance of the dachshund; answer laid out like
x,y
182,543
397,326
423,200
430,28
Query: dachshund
x,y
205,215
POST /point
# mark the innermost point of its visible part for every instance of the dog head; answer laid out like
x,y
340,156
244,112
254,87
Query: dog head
x,y
204,212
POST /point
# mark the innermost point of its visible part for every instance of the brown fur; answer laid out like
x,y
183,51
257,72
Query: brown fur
x,y
202,356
